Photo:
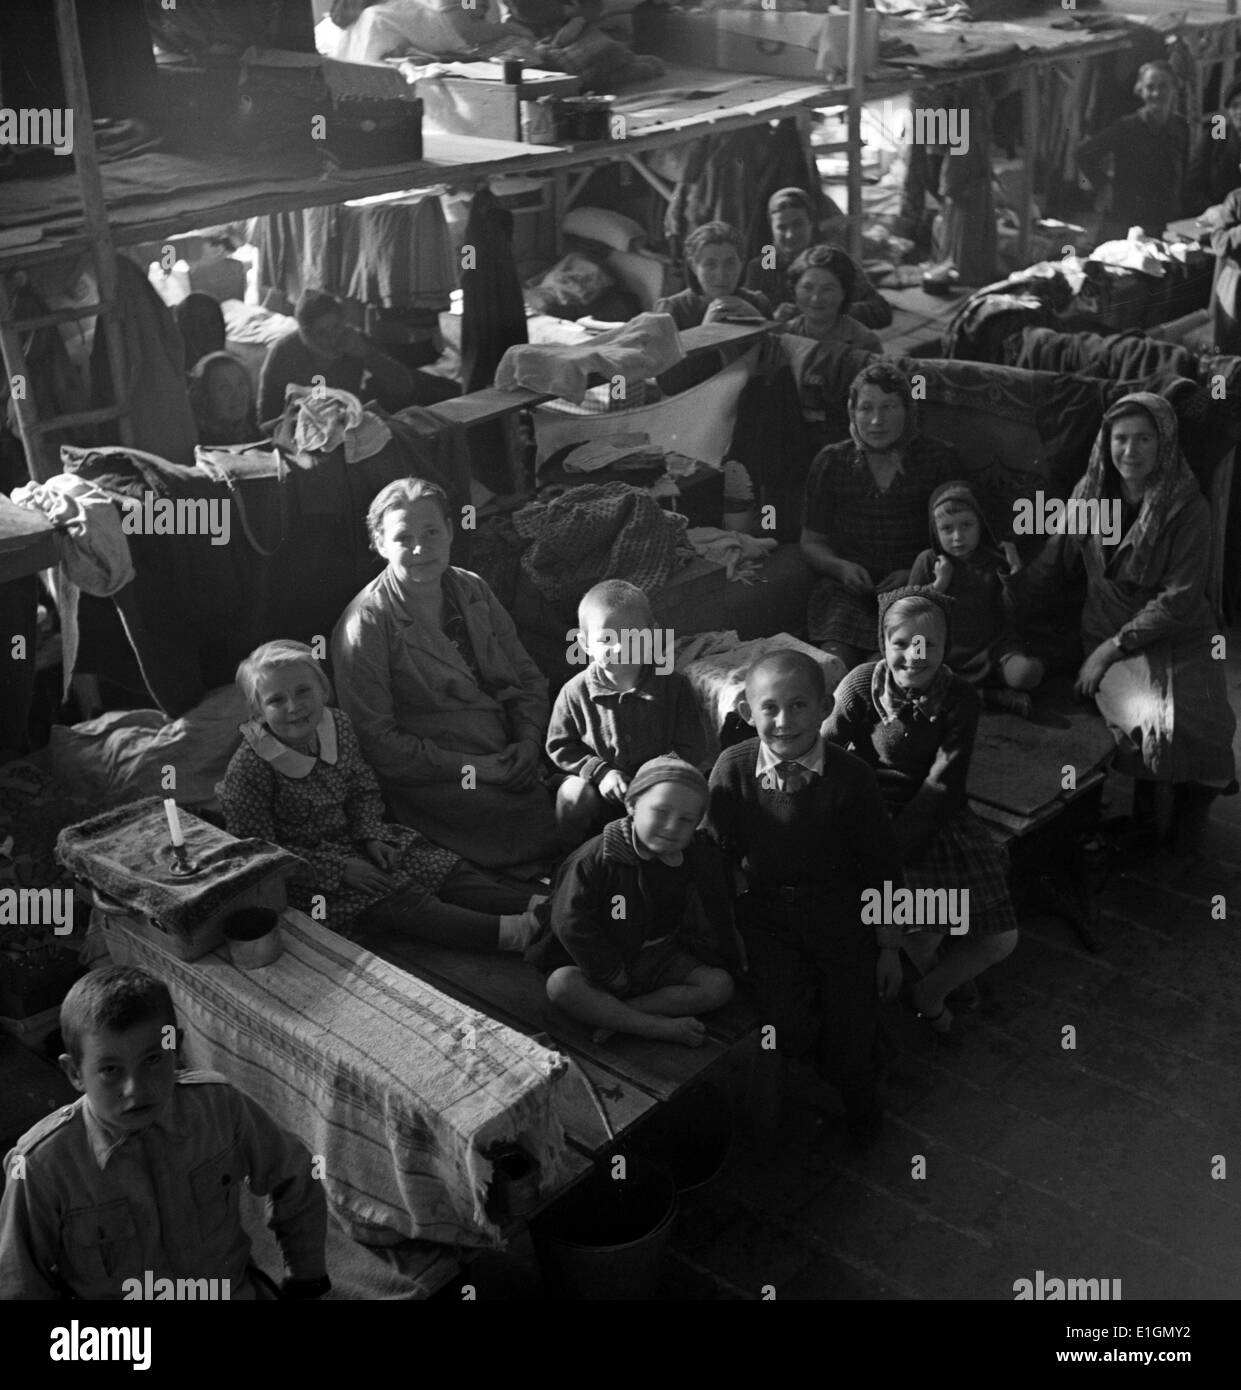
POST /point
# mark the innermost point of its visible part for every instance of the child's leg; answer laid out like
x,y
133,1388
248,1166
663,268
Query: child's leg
x,y
416,912
704,989
580,811
569,989
967,960
470,887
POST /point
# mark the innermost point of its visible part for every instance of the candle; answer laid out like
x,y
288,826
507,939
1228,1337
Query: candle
x,y
174,823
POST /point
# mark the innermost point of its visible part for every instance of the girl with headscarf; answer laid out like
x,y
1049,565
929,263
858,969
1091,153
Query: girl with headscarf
x,y
866,508
222,399
1147,623
976,570
912,720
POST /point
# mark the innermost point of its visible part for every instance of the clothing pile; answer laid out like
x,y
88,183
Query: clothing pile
x,y
596,532
642,348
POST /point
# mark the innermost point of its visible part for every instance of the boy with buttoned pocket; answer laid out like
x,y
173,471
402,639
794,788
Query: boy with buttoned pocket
x,y
142,1175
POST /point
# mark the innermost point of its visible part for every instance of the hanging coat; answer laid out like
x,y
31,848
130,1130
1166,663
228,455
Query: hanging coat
x,y
493,315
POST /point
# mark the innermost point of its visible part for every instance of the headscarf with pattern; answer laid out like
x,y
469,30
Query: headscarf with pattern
x,y
887,378
891,700
1169,488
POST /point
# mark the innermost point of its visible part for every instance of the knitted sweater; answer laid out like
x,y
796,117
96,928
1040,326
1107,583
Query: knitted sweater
x,y
832,837
921,764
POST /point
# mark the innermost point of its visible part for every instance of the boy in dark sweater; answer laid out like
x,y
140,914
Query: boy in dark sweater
x,y
626,707
967,563
805,824
634,908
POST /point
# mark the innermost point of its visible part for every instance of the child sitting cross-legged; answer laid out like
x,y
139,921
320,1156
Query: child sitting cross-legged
x,y
300,781
140,1179
619,712
633,910
967,563
912,720
805,824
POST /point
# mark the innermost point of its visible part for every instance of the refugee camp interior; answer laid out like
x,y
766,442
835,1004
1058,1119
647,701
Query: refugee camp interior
x,y
620,649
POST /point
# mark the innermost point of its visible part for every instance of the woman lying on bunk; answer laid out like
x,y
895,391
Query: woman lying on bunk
x,y
866,509
1147,622
713,269
823,281
789,213
300,781
449,709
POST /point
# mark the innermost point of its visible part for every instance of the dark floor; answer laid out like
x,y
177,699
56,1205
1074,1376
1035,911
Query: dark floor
x,y
1100,1160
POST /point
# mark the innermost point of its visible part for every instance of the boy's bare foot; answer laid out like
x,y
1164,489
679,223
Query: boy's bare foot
x,y
690,1032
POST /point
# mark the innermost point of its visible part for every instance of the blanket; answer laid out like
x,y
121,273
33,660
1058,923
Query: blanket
x,y
644,347
596,532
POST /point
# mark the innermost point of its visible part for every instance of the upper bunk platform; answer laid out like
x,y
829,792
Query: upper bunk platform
x,y
161,193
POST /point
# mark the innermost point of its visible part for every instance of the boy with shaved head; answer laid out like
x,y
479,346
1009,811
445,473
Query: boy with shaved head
x,y
807,829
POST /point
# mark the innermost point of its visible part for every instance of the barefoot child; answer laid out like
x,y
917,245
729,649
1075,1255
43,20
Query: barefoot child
x,y
619,712
804,823
300,781
631,905
913,721
967,563
140,1178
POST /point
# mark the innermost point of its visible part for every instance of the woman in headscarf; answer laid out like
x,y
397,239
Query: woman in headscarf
x,y
222,399
866,509
1154,668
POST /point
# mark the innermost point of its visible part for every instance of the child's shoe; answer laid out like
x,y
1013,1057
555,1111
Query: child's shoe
x,y
1010,701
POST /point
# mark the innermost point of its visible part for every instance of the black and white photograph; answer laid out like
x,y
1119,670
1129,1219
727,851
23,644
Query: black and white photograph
x,y
620,659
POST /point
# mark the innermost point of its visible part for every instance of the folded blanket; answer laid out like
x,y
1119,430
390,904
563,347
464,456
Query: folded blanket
x,y
126,854
644,347
595,532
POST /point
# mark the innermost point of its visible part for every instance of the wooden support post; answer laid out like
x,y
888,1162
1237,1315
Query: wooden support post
x,y
33,441
856,79
1029,159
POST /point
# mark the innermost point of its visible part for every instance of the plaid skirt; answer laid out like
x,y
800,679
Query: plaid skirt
x,y
963,855
836,614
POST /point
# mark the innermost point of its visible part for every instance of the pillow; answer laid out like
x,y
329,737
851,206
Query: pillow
x,y
612,229
570,287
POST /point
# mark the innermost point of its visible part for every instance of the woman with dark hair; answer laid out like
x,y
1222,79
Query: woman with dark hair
x,y
1147,623
866,509
222,399
201,321
713,264
823,280
449,709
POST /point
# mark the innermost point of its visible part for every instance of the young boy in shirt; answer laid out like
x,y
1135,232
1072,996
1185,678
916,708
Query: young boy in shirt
x,y
620,712
807,829
142,1175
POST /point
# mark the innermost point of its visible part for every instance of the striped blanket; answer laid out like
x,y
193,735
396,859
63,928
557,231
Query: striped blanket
x,y
399,1090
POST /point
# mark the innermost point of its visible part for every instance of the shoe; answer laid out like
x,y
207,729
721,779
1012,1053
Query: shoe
x,y
941,1022
1011,702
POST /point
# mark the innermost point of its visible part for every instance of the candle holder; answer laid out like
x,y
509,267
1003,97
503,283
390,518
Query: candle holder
x,y
182,865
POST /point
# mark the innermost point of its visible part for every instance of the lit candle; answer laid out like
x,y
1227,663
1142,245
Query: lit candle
x,y
174,823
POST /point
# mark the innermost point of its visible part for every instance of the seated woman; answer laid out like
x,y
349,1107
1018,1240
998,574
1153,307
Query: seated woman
x,y
790,215
324,346
867,501
713,265
823,281
1147,623
449,709
222,400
